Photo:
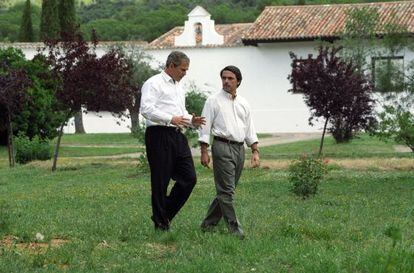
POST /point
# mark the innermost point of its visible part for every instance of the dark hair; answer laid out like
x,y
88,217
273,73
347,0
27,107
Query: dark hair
x,y
235,71
176,58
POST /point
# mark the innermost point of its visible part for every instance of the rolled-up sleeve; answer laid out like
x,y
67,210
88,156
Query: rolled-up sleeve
x,y
204,131
148,105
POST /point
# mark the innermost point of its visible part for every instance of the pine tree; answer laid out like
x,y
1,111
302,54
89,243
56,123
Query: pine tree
x,y
26,27
67,16
49,23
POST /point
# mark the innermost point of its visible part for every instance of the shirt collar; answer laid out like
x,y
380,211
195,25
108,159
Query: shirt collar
x,y
167,77
228,95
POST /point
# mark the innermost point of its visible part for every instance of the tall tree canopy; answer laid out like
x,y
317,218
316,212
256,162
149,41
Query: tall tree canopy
x,y
26,28
49,25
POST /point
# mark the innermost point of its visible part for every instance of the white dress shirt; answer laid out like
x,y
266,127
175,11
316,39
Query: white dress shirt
x,y
162,99
227,118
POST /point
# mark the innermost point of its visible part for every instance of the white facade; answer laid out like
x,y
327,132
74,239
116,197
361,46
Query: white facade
x,y
199,20
265,85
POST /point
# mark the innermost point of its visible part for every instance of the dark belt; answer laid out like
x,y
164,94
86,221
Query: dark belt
x,y
169,128
227,140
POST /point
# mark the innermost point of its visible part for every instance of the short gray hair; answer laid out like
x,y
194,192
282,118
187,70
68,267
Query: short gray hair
x,y
176,58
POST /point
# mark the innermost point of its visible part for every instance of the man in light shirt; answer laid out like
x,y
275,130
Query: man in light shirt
x,y
168,153
228,119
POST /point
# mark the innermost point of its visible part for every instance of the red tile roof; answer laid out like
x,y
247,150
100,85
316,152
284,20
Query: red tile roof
x,y
232,36
278,23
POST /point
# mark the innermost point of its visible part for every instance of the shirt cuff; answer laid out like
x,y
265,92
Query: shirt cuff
x,y
250,141
204,139
168,119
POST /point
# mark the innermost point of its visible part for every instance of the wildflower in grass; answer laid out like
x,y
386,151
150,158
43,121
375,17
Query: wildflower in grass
x,y
40,236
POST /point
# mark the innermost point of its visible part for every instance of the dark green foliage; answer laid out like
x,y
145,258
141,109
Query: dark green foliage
x,y
194,103
28,150
67,16
49,25
26,27
397,124
10,22
305,175
143,18
39,115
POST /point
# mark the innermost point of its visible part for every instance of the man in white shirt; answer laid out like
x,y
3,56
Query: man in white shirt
x,y
228,119
168,153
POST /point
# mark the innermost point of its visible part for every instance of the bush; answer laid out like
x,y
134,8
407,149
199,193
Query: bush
x,y
28,150
305,175
194,103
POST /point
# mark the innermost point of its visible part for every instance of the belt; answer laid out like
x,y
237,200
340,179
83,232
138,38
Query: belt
x,y
171,128
227,140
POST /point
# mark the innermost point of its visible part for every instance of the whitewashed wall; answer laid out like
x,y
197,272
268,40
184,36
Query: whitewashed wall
x,y
265,85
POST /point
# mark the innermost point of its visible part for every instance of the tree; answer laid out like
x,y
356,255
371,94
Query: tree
x,y
97,84
393,81
141,72
12,97
26,27
40,116
49,25
334,90
67,16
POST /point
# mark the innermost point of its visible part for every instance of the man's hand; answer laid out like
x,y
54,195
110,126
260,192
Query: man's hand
x,y
198,121
255,161
205,158
180,121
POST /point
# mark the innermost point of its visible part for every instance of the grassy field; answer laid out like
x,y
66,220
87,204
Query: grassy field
x,y
362,146
95,218
94,214
98,139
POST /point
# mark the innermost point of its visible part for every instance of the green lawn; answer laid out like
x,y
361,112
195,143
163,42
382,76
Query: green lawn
x,y
362,146
96,151
118,139
101,211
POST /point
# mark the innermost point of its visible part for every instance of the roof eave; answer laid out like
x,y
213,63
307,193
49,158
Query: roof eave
x,y
255,42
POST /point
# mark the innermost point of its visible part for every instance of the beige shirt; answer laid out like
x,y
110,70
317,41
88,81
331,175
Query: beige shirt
x,y
227,118
162,98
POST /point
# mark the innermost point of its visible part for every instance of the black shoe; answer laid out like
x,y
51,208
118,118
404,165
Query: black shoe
x,y
207,228
239,234
159,226
236,230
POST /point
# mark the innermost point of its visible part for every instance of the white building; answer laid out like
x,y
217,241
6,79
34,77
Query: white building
x,y
261,51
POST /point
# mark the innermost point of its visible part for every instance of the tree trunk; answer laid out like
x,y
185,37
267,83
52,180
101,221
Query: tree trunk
x,y
10,141
134,120
79,129
55,156
323,137
134,112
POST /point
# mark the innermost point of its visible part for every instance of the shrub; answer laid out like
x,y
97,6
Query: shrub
x,y
305,175
194,103
28,150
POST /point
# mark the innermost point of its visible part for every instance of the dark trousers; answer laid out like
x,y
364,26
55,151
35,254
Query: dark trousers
x,y
169,157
